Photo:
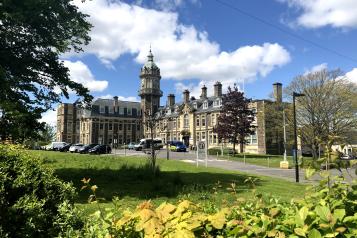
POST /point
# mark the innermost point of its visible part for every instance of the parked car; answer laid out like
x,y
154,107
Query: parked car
x,y
177,146
75,148
55,146
100,149
65,148
347,157
131,146
86,148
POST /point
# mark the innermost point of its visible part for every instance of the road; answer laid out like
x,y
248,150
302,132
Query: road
x,y
214,161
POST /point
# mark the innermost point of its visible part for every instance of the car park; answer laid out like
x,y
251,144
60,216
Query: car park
x,y
86,148
75,148
100,149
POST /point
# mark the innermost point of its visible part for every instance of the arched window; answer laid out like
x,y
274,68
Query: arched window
x,y
185,121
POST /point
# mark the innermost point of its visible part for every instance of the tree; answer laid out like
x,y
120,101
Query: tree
x,y
328,109
151,122
33,34
47,135
274,127
235,120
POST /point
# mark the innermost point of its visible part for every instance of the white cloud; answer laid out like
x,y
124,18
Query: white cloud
x,y
121,98
320,13
352,76
181,51
168,5
80,73
50,117
316,68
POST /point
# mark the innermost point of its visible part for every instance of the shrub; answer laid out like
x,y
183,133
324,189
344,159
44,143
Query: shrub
x,y
328,210
33,202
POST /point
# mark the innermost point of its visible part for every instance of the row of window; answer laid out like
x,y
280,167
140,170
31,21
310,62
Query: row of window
x,y
113,109
216,103
128,127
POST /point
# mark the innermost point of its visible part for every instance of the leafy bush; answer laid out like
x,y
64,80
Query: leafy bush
x,y
328,209
33,202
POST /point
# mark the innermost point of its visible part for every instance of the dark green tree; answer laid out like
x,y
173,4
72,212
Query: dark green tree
x,y
33,34
235,120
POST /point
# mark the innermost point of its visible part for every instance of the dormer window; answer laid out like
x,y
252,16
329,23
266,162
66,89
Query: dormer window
x,y
205,105
217,102
195,105
102,110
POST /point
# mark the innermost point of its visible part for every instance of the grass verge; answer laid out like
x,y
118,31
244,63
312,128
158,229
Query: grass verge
x,y
131,182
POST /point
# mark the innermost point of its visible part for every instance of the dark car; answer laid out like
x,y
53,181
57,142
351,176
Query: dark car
x,y
86,148
100,149
65,148
177,146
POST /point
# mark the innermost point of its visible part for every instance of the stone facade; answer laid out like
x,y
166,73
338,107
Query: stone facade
x,y
108,121
114,122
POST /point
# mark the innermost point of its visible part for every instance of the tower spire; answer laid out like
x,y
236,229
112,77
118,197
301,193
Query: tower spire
x,y
150,55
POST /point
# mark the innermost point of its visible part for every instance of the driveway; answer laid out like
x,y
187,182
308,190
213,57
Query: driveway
x,y
214,161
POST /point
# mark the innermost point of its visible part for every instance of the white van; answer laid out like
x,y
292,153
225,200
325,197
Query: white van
x,y
55,145
146,144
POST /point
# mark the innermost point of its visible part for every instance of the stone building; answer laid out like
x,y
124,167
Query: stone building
x,y
114,122
108,121
193,120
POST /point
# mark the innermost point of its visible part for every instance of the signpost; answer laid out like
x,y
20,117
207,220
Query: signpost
x,y
201,149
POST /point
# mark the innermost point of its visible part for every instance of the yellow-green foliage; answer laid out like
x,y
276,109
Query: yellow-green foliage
x,y
325,211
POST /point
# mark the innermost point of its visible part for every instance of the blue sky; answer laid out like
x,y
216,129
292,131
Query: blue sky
x,y
198,42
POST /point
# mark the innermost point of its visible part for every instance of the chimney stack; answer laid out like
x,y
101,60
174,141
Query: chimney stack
x,y
170,100
218,89
115,101
186,96
278,92
203,92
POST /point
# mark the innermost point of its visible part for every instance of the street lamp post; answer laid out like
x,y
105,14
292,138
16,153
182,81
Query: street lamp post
x,y
295,136
284,136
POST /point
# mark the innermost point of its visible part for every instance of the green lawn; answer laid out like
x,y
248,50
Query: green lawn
x,y
129,180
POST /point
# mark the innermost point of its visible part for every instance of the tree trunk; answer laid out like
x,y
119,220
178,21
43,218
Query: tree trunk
x,y
241,147
234,148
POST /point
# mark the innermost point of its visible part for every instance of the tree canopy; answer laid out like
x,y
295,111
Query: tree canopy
x,y
235,120
328,109
33,35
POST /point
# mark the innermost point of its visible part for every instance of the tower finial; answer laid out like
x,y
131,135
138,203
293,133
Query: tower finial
x,y
150,55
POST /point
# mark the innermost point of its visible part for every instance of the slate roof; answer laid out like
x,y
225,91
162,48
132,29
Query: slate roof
x,y
197,110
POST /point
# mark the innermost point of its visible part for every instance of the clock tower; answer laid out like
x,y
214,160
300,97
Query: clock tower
x,y
150,92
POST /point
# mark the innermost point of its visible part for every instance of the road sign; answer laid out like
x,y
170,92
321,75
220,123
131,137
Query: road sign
x,y
201,150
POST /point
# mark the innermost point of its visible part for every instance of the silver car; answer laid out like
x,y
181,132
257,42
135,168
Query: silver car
x,y
75,148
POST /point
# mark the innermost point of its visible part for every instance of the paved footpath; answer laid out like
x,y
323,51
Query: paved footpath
x,y
288,174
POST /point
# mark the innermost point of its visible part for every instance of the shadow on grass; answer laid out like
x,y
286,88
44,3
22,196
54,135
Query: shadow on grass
x,y
139,182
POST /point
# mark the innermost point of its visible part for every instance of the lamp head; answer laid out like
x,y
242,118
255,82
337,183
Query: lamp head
x,y
298,94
